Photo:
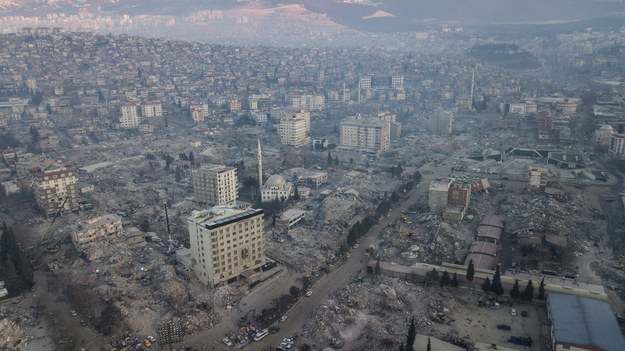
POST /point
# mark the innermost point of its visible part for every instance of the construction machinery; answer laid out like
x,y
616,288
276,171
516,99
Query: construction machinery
x,y
56,215
243,321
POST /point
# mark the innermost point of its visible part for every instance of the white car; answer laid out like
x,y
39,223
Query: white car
x,y
283,318
227,341
355,246
513,312
309,293
151,338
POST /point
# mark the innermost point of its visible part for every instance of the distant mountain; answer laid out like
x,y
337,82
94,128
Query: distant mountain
x,y
296,20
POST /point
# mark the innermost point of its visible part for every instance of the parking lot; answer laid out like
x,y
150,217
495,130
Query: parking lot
x,y
481,326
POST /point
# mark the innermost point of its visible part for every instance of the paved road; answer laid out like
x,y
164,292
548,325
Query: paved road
x,y
341,276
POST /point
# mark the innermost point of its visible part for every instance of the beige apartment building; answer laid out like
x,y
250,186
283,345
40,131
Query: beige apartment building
x,y
227,243
365,135
151,109
93,236
294,131
215,185
130,116
53,185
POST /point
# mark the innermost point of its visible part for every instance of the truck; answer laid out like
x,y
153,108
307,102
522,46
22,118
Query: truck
x,y
369,251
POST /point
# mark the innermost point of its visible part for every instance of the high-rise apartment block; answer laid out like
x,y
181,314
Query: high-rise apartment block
x,y
617,145
197,112
130,116
438,194
151,109
294,131
381,82
55,186
215,185
440,122
365,135
227,243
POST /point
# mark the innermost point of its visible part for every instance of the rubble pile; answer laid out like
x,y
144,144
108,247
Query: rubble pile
x,y
430,240
613,277
362,312
12,335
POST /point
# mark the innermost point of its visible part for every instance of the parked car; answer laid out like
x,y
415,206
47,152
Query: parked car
x,y
227,341
283,318
513,312
524,313
503,327
309,293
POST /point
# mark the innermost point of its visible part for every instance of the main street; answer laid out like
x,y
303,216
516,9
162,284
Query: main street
x,y
342,275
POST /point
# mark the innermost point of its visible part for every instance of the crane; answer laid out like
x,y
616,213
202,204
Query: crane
x,y
56,215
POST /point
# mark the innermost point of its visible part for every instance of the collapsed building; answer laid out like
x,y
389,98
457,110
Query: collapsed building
x,y
98,236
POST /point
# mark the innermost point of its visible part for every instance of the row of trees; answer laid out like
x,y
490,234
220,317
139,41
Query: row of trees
x,y
14,266
411,337
495,286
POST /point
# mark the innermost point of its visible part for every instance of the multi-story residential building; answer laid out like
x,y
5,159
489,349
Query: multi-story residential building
x,y
365,135
308,102
537,179
98,230
381,82
151,109
197,112
55,186
227,242
130,116
294,131
617,145
215,185
440,122
438,194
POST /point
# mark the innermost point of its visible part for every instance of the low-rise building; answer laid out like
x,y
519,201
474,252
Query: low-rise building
x,y
537,178
581,323
289,219
276,189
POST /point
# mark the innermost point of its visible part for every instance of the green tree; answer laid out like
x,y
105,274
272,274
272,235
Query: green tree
x,y
454,280
145,225
496,286
178,174
336,160
294,291
515,292
329,158
305,347
486,285
470,271
528,293
394,197
377,270
541,290
295,193
432,276
429,347
191,158
183,156
445,280
412,335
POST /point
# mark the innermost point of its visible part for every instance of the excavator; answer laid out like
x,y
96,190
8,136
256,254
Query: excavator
x,y
56,215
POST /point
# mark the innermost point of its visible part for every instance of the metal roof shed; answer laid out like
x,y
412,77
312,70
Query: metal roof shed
x,y
583,322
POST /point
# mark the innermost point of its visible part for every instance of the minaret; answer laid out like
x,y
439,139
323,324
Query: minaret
x,y
260,166
359,91
472,84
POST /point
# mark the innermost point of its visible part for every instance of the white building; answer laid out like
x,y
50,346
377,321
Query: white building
x,y
276,188
294,131
215,185
130,116
151,109
227,243
365,135
617,145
